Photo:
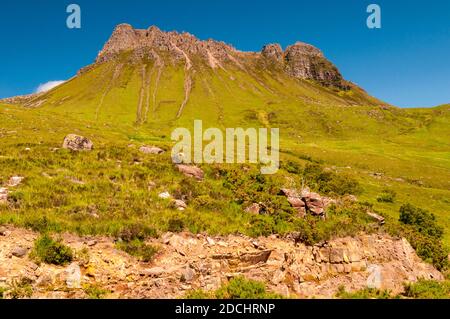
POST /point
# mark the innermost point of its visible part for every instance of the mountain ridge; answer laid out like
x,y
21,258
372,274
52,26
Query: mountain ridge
x,y
300,60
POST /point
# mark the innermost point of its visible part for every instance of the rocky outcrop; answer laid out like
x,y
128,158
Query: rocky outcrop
x,y
77,143
273,52
186,261
191,171
301,60
307,202
147,44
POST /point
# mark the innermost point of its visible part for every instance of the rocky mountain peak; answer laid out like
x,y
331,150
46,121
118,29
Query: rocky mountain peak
x,y
301,48
273,51
301,60
304,61
150,41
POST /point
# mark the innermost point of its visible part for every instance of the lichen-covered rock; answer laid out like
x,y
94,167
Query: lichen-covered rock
x,y
191,171
151,150
77,143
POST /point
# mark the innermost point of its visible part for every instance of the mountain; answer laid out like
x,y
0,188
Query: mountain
x,y
151,76
365,154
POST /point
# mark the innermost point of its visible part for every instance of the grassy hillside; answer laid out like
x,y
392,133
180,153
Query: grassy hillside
x,y
118,103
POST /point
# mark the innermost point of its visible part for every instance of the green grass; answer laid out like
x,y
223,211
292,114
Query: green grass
x,y
423,289
428,289
95,292
106,191
138,249
237,288
367,293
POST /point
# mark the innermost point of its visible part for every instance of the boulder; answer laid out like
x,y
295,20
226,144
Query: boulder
x,y
164,195
19,252
151,150
179,204
77,143
307,202
191,171
295,200
15,181
188,274
314,202
378,218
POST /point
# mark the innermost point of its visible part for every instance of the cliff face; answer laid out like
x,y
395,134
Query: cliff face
x,y
186,261
147,43
301,60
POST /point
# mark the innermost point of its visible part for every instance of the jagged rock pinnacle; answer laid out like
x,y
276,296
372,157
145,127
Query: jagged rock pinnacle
x,y
301,60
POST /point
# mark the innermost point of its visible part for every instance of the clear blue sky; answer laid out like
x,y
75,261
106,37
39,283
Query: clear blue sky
x,y
406,63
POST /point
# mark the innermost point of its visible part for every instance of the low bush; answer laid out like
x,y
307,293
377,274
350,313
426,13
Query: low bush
x,y
95,292
136,231
420,228
366,293
329,182
428,289
387,196
242,288
249,186
236,288
198,294
175,225
50,251
138,248
20,288
341,221
420,219
2,291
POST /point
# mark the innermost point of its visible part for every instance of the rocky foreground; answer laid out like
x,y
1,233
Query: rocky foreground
x,y
187,261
